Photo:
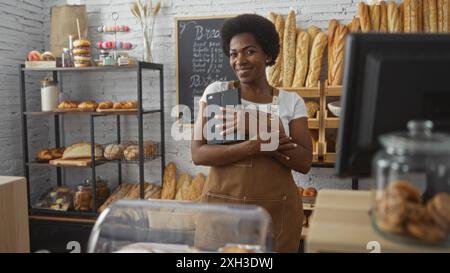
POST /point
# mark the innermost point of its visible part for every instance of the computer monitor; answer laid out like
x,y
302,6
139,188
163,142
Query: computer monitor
x,y
389,79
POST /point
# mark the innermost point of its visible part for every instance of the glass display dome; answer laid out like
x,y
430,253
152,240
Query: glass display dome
x,y
159,226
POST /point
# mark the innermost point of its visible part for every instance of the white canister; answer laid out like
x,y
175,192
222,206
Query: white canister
x,y
49,95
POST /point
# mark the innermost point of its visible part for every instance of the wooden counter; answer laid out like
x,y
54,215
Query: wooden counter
x,y
341,223
14,235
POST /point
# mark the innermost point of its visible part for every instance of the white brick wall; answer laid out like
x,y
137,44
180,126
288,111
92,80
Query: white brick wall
x,y
117,86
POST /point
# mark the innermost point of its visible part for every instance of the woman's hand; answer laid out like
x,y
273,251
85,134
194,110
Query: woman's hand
x,y
247,123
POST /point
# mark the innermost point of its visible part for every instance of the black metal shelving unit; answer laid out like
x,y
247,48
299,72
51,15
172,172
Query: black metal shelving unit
x,y
25,115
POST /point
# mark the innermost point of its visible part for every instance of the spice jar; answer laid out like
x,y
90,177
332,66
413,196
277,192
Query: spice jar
x,y
412,194
49,94
83,197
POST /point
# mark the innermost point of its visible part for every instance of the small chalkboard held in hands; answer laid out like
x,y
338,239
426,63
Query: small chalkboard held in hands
x,y
200,60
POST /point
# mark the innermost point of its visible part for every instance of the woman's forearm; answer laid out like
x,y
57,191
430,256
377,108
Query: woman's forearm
x,y
300,159
218,155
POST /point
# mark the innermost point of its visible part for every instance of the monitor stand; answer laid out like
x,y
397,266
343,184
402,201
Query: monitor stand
x,y
355,184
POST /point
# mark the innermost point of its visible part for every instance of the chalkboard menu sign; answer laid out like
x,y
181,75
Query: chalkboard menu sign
x,y
200,60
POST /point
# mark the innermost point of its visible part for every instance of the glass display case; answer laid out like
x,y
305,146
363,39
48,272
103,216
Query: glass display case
x,y
168,226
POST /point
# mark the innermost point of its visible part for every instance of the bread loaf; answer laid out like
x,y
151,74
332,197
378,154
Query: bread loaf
x,y
196,188
364,17
407,16
311,108
416,15
273,17
301,54
44,155
315,60
88,105
113,151
275,71
82,150
337,70
332,27
393,18
443,16
312,31
289,39
183,183
431,14
383,17
105,105
401,16
375,17
170,181
355,25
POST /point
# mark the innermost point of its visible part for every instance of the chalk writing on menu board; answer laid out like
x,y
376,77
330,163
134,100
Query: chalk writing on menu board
x,y
201,60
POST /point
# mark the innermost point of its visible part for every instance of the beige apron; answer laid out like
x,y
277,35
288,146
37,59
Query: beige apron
x,y
259,180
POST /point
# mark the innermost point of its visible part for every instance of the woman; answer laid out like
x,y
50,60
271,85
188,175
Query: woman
x,y
242,173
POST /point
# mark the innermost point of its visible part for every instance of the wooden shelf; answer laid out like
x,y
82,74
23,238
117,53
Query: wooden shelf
x,y
303,91
331,121
333,91
314,123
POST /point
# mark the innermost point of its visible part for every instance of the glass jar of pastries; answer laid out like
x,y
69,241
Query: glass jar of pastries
x,y
412,194
84,198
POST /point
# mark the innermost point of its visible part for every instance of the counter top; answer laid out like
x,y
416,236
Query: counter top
x,y
342,223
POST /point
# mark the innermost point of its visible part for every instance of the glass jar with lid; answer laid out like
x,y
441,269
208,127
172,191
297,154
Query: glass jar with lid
x,y
83,200
412,194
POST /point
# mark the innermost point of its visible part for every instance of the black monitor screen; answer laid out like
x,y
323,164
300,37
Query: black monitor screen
x,y
388,81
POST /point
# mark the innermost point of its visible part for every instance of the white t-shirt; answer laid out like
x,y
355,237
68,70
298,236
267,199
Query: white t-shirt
x,y
290,104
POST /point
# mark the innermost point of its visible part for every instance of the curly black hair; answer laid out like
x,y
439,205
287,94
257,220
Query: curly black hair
x,y
261,28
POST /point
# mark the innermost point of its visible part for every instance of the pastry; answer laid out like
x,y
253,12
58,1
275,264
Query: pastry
x,y
312,107
68,105
275,71
289,40
82,53
131,104
196,188
436,217
105,105
48,56
87,105
170,182
310,192
82,150
44,155
56,152
113,151
441,202
426,231
301,53
315,60
404,190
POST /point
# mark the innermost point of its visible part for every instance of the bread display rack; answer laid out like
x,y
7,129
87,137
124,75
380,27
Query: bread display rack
x,y
92,116
323,154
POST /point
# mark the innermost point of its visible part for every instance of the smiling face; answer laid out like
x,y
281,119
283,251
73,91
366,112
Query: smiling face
x,y
247,58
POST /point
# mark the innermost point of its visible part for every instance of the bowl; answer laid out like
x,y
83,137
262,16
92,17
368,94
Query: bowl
x,y
335,107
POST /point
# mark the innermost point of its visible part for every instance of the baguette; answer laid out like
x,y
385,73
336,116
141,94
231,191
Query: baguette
x,y
332,27
432,15
383,17
315,60
355,25
364,17
393,18
426,17
407,16
415,15
170,181
273,17
375,17
290,34
338,55
312,31
302,55
401,16
417,9
275,71
443,16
